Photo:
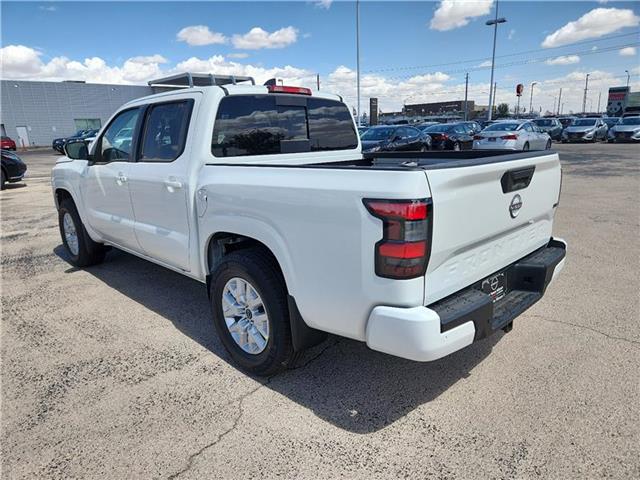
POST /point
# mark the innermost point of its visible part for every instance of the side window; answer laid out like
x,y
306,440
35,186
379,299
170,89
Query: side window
x,y
527,127
460,129
165,131
413,132
116,142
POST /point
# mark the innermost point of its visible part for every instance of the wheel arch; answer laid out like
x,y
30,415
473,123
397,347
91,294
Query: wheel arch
x,y
220,244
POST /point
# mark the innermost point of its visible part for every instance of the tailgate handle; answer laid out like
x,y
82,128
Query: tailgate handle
x,y
516,179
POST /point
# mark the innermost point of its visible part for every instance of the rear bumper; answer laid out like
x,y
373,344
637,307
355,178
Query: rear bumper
x,y
510,145
432,332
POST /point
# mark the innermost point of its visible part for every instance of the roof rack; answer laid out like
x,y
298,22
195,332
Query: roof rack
x,y
191,80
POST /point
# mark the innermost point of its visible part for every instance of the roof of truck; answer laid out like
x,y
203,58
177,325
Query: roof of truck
x,y
237,89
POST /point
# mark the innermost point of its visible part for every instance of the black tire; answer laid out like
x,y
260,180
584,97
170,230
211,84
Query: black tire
x,y
259,268
89,252
525,148
4,181
548,147
564,141
424,148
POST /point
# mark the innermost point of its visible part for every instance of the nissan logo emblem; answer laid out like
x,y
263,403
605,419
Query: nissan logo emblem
x,y
515,206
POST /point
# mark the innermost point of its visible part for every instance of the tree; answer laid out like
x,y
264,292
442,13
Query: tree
x,y
503,109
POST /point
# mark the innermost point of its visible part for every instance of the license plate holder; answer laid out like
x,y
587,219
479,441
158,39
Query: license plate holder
x,y
495,286
492,139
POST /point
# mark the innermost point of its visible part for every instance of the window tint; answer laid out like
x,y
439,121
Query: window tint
x,y
165,131
114,144
255,125
459,129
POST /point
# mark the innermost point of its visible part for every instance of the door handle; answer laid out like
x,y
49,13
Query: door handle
x,y
173,185
121,179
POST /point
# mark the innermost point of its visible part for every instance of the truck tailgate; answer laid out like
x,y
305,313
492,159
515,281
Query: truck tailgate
x,y
487,216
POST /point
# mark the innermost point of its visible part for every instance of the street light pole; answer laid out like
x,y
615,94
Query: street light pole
x,y
495,23
586,88
466,89
531,99
559,98
627,72
358,56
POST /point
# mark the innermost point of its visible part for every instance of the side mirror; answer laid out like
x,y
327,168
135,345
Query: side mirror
x,y
76,149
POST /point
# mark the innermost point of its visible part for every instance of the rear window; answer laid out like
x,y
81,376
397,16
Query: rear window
x,y
263,125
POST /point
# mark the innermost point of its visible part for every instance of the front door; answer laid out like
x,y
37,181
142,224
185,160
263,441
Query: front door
x,y
159,183
23,137
105,184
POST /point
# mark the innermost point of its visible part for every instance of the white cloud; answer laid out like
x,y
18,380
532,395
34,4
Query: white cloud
x,y
486,63
628,51
452,14
564,60
257,38
21,62
198,35
326,4
48,8
238,55
512,33
593,24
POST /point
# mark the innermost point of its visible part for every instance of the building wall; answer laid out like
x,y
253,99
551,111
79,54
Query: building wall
x,y
48,109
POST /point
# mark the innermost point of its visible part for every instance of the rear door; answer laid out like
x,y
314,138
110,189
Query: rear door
x,y
159,182
487,216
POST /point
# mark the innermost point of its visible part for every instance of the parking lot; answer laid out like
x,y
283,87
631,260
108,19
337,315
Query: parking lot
x,y
115,371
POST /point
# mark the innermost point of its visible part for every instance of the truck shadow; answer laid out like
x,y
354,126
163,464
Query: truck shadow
x,y
341,381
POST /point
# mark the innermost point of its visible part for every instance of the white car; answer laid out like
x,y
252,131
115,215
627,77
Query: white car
x,y
585,130
512,135
262,193
626,130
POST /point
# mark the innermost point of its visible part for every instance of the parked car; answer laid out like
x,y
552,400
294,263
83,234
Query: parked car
x,y
361,130
13,168
7,143
566,121
87,134
473,127
450,136
295,233
626,130
401,138
423,126
585,130
550,126
512,135
610,121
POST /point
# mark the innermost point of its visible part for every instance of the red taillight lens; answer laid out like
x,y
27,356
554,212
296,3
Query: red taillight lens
x,y
509,137
285,89
404,249
478,137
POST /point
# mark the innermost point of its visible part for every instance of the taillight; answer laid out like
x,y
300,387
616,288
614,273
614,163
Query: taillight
x,y
403,252
478,137
509,137
285,89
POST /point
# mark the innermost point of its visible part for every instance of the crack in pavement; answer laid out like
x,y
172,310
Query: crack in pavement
x,y
236,421
584,327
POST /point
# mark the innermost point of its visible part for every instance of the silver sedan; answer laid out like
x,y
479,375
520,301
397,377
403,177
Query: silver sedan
x,y
512,135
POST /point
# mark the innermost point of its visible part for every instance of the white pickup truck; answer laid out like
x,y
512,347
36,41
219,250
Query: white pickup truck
x,y
262,193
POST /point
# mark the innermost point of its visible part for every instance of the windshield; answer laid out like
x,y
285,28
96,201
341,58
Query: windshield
x,y
438,128
584,122
544,123
502,127
630,121
377,133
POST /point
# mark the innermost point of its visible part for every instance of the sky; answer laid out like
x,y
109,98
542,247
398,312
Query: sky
x,y
410,52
